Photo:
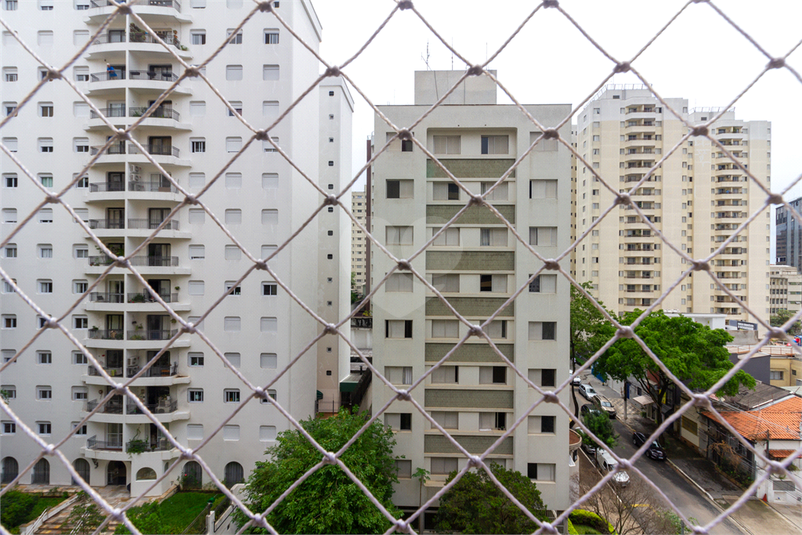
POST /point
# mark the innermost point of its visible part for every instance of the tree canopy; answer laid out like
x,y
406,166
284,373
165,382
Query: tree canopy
x,y
328,501
782,316
590,330
693,352
600,425
476,505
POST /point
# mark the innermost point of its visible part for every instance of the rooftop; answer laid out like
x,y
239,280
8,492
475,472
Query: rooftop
x,y
779,421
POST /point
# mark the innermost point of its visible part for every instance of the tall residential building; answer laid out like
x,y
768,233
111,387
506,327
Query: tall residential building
x,y
788,236
191,263
477,264
697,199
359,245
785,289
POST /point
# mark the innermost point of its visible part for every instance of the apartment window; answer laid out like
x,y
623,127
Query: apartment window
x,y
496,375
398,328
398,421
448,238
9,108
197,4
231,395
399,282
271,37
268,325
495,144
81,431
542,330
231,432
197,180
270,110
446,283
44,357
445,328
445,375
497,329
8,287
79,38
79,286
234,38
46,5
196,287
776,375
194,359
45,428
10,5
10,180
10,74
269,288
195,395
80,109
196,216
267,146
9,215
446,144
542,189
233,216
399,189
79,358
197,145
45,250
79,393
493,237
398,375
232,324
80,144
541,425
45,38
541,471
44,393
9,428
544,284
447,420
270,217
233,72
233,144
444,465
445,191
267,250
493,283
45,286
82,182
500,193
81,74
10,143
46,181
194,431
398,235
197,37
492,420
268,361
45,144
237,290
197,252
197,108
267,433
543,236
270,72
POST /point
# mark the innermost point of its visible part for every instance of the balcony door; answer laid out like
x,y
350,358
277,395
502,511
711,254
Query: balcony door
x,y
116,109
161,287
114,435
114,326
160,145
115,181
158,327
116,289
156,216
164,109
116,218
117,36
159,254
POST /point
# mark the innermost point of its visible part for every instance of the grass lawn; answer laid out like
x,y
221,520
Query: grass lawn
x,y
21,508
582,529
173,515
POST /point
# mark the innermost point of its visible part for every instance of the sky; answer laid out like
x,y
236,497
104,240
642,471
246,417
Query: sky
x,y
700,57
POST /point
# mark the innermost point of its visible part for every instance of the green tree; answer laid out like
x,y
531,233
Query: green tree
x,y
781,317
600,425
693,352
476,505
328,501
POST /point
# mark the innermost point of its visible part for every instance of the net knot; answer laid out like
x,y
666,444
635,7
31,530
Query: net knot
x,y
404,5
475,330
777,333
259,392
624,464
333,71
551,133
622,67
476,70
191,199
331,200
776,198
53,74
192,72
550,397
51,199
405,134
123,8
701,400
623,199
261,265
551,265
50,449
699,131
404,265
625,331
701,265
401,526
330,328
404,395
550,3
261,135
266,7
776,63
474,462
189,328
122,262
476,200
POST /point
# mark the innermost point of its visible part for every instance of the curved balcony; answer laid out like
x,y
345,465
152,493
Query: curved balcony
x,y
166,10
161,117
157,81
147,265
105,302
144,302
112,450
142,228
138,41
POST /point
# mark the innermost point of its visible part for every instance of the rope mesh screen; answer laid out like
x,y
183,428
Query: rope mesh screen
x,y
256,392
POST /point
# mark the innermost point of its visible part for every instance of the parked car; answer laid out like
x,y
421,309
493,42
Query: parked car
x,y
587,391
586,409
576,380
655,450
590,449
603,404
607,463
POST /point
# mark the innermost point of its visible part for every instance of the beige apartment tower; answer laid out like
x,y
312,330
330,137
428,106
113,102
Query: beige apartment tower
x,y
697,198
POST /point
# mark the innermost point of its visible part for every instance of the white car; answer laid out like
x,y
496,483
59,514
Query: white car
x,y
587,391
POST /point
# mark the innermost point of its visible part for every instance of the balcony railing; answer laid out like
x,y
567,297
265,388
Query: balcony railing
x,y
155,261
114,371
93,443
151,186
163,407
115,75
107,223
158,3
162,150
151,335
107,76
145,297
172,224
159,113
154,371
117,111
108,186
99,297
105,334
112,406
114,148
168,36
100,260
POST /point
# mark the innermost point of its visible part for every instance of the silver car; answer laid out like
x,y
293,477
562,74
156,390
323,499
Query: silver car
x,y
587,391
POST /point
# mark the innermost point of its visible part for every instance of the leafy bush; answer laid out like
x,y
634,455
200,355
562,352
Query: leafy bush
x,y
15,507
589,518
172,515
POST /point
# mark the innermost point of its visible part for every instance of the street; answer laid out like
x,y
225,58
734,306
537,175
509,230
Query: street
x,y
684,496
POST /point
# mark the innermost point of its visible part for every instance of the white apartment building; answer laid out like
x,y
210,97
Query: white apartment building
x,y
697,198
785,292
260,198
477,264
359,245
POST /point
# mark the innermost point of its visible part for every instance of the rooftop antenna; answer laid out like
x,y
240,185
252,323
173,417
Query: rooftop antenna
x,y
452,53
428,68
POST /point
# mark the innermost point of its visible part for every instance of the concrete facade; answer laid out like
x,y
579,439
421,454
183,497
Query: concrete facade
x,y
358,242
477,264
260,198
697,199
785,289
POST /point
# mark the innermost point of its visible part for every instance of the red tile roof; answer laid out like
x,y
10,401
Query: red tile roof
x,y
781,420
782,454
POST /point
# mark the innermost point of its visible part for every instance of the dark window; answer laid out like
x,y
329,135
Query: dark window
x,y
331,93
534,286
500,374
531,470
547,424
501,420
406,145
407,328
406,421
548,377
453,192
485,283
549,328
393,189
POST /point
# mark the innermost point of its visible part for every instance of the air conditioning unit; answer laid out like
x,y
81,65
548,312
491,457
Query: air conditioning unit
x,y
134,169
